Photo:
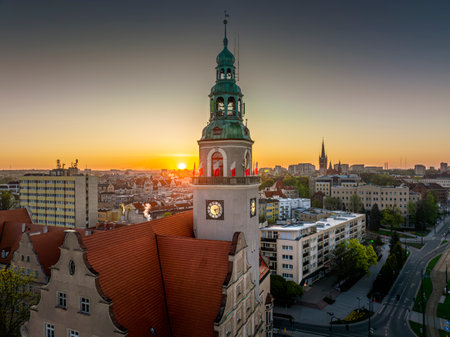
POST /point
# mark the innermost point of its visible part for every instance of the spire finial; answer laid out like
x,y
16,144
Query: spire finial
x,y
225,21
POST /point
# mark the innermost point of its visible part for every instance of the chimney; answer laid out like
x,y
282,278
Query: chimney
x,y
45,229
23,228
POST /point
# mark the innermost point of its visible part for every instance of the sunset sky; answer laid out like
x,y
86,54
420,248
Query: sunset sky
x,y
124,84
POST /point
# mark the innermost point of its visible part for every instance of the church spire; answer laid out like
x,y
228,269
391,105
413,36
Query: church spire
x,y
323,148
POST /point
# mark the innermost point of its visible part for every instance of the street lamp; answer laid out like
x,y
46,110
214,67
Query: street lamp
x,y
331,314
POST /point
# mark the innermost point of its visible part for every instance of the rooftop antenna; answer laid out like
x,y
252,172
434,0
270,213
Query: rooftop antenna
x,y
236,53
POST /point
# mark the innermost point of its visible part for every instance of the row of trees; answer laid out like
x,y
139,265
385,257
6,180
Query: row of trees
x,y
391,268
422,214
379,179
300,183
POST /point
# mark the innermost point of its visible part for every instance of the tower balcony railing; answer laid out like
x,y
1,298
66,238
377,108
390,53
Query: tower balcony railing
x,y
250,180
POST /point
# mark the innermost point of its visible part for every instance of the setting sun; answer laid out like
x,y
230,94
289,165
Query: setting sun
x,y
181,166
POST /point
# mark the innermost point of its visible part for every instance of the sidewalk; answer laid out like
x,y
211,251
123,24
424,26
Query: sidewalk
x,y
345,303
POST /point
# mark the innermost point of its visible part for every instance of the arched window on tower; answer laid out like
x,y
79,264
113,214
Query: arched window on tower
x,y
222,74
228,74
217,164
220,106
231,106
247,164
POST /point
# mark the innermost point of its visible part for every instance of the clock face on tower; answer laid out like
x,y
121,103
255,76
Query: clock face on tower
x,y
214,209
252,207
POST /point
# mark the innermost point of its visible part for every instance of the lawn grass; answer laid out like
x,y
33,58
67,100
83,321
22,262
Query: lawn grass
x,y
443,242
427,285
416,328
443,309
389,233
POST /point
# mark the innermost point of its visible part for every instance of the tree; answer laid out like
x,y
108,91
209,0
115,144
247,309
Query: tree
x,y
16,298
375,218
355,203
167,214
412,211
6,200
392,218
352,258
262,218
266,183
431,209
284,291
289,181
331,203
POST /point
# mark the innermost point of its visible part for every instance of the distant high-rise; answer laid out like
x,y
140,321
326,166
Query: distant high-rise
x,y
63,197
443,168
323,160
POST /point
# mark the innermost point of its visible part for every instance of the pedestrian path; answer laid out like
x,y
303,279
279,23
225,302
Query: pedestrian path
x,y
344,303
436,322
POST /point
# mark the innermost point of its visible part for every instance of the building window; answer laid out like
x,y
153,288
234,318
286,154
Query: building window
x,y
288,257
84,305
49,330
62,300
73,333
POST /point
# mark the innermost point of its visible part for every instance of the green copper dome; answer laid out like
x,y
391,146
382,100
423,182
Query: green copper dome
x,y
225,57
225,129
228,88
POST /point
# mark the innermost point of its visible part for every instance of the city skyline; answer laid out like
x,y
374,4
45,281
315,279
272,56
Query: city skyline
x,y
120,86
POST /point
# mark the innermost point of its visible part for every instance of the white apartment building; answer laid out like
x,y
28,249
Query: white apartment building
x,y
383,196
287,205
300,251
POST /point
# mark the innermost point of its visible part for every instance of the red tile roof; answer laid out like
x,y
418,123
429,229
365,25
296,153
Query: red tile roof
x,y
129,271
263,268
193,272
46,247
15,215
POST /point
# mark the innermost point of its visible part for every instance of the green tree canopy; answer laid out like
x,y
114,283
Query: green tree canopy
x,y
355,203
6,200
351,258
284,291
167,214
332,203
16,298
392,217
266,183
375,218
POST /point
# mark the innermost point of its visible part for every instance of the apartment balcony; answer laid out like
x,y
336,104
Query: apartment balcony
x,y
269,249
251,180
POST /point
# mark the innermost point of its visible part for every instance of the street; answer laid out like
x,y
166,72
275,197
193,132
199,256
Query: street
x,y
391,318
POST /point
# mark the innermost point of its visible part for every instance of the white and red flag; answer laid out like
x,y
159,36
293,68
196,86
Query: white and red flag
x,y
200,169
233,169
255,172
216,168
247,171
